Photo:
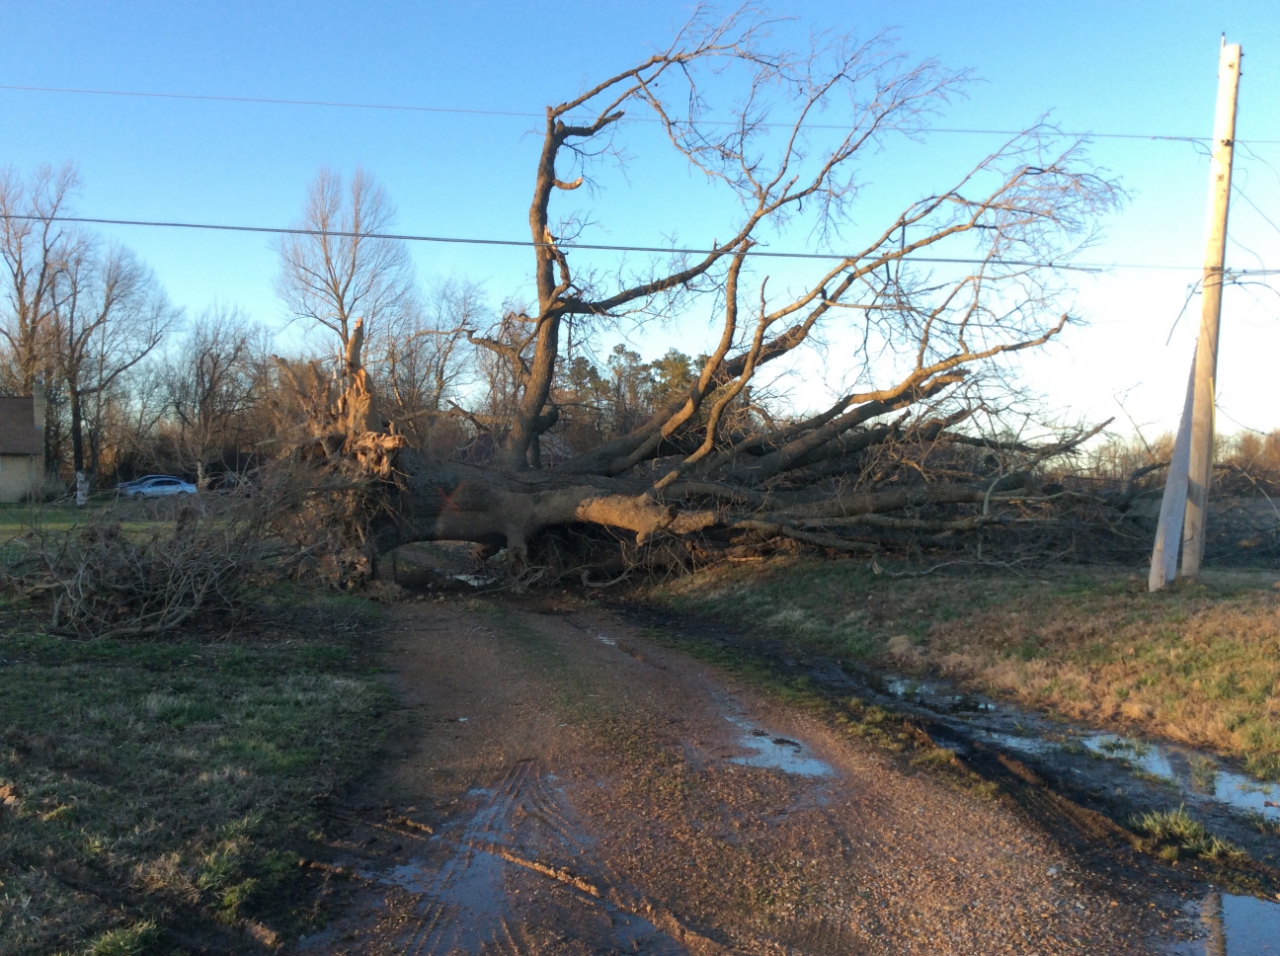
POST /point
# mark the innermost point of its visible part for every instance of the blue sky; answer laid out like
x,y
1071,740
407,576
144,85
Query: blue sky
x,y
1103,67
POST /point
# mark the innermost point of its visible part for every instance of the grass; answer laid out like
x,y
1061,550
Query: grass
x,y
1197,664
130,941
1173,832
17,519
151,793
137,521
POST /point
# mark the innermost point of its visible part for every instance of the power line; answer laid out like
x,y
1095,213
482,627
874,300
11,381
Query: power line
x,y
1256,208
518,243
267,101
1094,267
409,108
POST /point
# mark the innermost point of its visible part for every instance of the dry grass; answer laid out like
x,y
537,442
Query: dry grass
x,y
1198,664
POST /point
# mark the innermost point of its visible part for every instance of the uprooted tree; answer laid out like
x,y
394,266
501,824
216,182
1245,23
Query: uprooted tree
x,y
924,313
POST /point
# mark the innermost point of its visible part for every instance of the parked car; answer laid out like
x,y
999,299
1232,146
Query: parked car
x,y
139,481
155,486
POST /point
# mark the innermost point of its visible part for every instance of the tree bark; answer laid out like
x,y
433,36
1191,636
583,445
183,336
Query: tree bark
x,y
77,428
451,501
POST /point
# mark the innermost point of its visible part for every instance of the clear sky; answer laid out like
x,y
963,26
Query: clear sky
x,y
1107,67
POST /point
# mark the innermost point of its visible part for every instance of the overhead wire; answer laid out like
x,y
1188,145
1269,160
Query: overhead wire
x,y
1192,289
1093,267
469,111
1230,274
400,107
1235,188
273,101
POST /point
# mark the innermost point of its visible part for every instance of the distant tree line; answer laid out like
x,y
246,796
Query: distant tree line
x,y
135,385
407,415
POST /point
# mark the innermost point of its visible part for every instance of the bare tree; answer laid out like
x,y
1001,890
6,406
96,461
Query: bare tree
x,y
132,420
210,390
338,272
33,246
108,313
929,336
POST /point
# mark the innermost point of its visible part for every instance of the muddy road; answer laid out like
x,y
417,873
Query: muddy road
x,y
564,786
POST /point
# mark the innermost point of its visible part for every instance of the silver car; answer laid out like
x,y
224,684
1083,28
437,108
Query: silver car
x,y
156,486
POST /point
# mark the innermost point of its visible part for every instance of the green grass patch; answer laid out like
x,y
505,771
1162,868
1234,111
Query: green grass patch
x,y
131,941
147,786
1173,832
19,519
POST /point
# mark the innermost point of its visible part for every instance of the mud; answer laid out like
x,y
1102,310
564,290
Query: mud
x,y
1196,776
491,893
1107,775
606,795
1129,775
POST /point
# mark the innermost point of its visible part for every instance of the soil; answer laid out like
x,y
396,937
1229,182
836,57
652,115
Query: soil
x,y
564,786
990,735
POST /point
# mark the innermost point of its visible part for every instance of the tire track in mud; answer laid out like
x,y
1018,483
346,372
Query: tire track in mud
x,y
470,884
558,830
469,904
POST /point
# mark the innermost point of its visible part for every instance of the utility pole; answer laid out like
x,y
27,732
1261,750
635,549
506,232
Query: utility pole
x,y
1200,471
1173,506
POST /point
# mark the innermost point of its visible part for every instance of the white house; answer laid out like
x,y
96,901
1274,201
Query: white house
x,y
21,445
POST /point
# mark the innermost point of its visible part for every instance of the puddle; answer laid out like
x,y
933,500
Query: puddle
x,y
474,886
1231,925
1240,791
1240,926
1191,771
906,687
1026,745
779,753
1134,752
474,891
1199,776
505,869
935,695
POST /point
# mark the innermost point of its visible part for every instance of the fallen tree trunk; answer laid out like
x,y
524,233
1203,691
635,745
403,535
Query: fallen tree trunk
x,y
706,463
450,501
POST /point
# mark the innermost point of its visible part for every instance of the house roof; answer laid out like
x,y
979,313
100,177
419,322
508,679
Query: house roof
x,y
18,432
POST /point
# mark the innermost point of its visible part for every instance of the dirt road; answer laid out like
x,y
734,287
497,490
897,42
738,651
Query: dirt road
x,y
567,787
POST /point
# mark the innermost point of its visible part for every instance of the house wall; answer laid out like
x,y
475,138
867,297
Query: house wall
x,y
19,477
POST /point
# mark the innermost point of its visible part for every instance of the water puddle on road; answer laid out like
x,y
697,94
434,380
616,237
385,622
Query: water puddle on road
x,y
1231,925
467,904
516,867
1026,745
1240,926
779,753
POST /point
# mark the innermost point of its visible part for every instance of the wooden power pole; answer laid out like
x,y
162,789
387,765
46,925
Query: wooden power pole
x,y
1173,506
1200,469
